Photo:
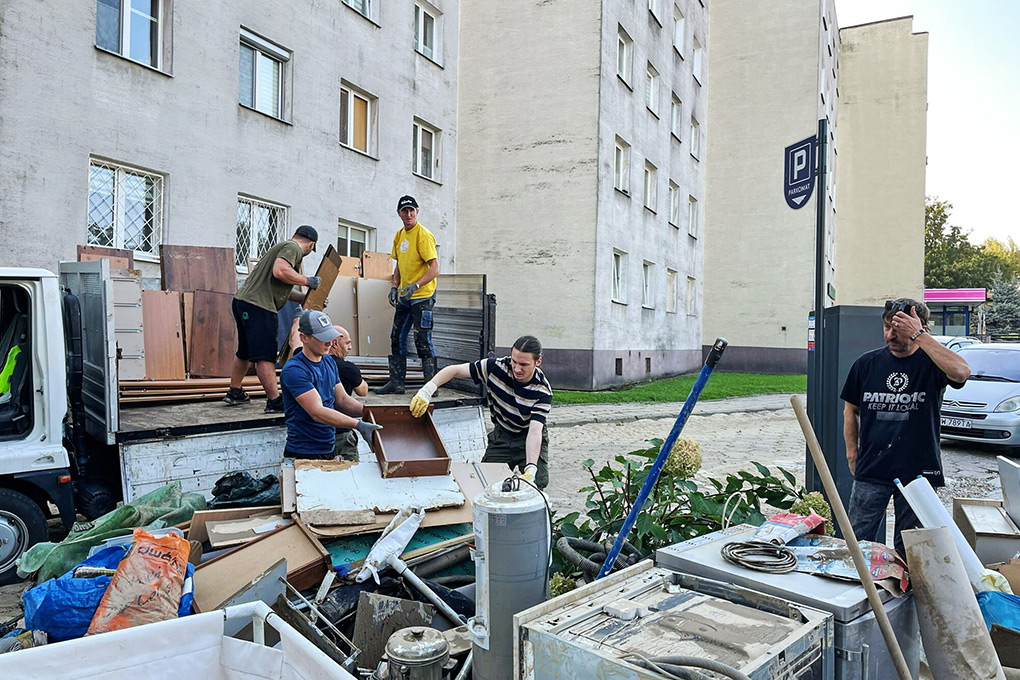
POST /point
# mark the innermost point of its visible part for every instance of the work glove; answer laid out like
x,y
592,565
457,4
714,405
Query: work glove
x,y
530,470
420,401
313,282
392,297
366,430
407,291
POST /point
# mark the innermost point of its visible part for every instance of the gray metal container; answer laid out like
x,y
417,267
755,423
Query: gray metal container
x,y
511,572
861,653
417,653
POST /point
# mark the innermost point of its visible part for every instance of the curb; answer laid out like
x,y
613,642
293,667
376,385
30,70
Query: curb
x,y
660,411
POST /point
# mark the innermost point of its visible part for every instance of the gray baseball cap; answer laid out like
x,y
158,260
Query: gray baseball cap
x,y
318,325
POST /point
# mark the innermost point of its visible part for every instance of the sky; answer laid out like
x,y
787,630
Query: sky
x,y
973,104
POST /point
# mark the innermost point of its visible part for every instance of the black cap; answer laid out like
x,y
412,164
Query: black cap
x,y
308,232
406,202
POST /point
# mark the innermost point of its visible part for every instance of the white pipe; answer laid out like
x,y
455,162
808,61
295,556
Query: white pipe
x,y
956,641
401,569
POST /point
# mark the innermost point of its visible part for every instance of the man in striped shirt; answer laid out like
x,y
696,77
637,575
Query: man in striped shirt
x,y
519,401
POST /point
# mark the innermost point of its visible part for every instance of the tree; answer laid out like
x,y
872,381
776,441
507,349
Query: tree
x,y
1003,315
1007,254
950,259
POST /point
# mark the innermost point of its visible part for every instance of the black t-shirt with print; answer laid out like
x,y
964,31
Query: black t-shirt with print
x,y
899,401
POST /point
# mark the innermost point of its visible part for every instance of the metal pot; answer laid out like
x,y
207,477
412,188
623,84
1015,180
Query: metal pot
x,y
417,653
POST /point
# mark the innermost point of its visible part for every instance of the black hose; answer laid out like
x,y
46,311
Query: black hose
x,y
571,549
668,669
455,580
760,556
699,662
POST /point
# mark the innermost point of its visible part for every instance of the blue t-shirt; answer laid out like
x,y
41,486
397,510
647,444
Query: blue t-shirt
x,y
299,375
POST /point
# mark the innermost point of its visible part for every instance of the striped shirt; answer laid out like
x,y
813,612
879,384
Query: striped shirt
x,y
513,405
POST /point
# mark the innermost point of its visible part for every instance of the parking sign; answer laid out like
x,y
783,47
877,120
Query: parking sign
x,y
799,172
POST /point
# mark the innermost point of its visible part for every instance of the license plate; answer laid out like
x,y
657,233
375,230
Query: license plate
x,y
957,422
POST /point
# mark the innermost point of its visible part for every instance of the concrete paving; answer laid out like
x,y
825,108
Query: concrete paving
x,y
583,414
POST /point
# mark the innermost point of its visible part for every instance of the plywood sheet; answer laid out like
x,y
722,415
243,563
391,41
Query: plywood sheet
x,y
375,318
214,335
164,344
191,268
328,269
188,319
343,308
377,265
119,258
350,266
128,324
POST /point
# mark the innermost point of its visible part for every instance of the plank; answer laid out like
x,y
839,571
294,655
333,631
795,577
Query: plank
x,y
343,307
375,319
161,331
350,266
376,265
214,336
119,258
193,268
328,269
187,314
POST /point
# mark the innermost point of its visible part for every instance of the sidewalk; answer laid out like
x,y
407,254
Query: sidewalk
x,y
583,414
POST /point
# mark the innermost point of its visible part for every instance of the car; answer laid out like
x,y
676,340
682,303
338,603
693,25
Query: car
x,y
987,408
955,342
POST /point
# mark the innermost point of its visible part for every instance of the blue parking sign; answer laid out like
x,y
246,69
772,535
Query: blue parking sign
x,y
799,172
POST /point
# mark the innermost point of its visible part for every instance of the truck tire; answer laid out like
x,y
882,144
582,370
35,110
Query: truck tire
x,y
94,500
22,525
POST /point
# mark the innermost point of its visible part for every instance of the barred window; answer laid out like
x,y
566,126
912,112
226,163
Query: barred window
x,y
125,208
260,226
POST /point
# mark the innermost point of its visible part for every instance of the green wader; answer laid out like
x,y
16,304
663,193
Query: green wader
x,y
506,447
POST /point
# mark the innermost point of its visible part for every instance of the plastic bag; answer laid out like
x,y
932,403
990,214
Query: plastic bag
x,y
1000,608
147,586
241,490
782,528
392,542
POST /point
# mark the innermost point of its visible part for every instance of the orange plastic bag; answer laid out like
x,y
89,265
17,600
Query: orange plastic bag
x,y
147,585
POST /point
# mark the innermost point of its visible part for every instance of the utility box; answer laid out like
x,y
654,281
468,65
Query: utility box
x,y
603,629
860,649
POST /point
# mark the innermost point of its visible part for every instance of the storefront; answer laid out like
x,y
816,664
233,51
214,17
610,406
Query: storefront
x,y
954,310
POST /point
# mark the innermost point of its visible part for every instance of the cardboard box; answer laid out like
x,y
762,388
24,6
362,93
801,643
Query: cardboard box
x,y
198,532
1011,570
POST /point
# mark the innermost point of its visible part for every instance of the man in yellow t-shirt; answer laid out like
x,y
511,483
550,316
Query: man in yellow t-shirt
x,y
412,296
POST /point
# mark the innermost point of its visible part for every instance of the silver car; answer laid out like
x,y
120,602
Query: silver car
x,y
956,342
987,408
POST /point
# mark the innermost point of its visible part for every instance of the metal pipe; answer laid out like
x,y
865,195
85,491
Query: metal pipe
x,y
465,670
448,611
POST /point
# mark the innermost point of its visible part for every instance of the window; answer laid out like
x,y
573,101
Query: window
x,y
692,216
691,297
649,195
653,7
652,89
619,273
624,45
647,293
425,32
674,203
260,75
426,151
357,111
695,138
670,291
125,208
621,175
260,226
679,26
131,28
676,112
352,241
698,59
362,7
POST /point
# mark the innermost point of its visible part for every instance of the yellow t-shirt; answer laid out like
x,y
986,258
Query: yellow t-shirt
x,y
412,250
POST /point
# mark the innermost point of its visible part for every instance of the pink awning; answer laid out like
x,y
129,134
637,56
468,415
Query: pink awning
x,y
954,295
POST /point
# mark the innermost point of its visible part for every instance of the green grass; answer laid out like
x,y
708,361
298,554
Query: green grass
x,y
720,386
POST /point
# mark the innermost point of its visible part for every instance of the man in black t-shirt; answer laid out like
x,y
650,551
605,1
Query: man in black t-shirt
x,y
891,417
354,384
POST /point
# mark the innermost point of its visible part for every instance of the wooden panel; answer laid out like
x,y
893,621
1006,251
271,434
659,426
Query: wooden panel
x,y
377,265
343,307
164,345
119,258
375,318
191,268
128,324
213,336
327,271
350,266
188,319
407,446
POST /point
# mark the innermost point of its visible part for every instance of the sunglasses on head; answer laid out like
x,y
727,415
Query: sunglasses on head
x,y
898,306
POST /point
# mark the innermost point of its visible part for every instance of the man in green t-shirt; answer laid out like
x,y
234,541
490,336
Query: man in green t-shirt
x,y
268,287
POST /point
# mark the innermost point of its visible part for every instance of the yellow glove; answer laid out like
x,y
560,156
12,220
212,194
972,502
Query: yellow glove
x,y
420,401
530,470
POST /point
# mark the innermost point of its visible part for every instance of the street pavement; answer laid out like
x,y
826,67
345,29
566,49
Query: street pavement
x,y
581,414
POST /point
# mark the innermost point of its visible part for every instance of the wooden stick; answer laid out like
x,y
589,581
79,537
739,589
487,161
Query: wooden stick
x,y
863,570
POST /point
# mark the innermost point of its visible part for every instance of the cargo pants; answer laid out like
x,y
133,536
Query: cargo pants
x,y
507,447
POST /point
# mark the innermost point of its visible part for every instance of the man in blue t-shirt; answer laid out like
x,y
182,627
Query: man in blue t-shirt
x,y
314,400
891,417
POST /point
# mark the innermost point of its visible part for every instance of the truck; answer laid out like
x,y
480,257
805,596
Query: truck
x,y
68,447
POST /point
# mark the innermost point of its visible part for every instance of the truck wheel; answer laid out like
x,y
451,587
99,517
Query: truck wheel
x,y
22,525
94,500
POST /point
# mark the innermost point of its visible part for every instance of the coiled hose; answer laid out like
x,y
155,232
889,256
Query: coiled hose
x,y
760,556
572,548
680,666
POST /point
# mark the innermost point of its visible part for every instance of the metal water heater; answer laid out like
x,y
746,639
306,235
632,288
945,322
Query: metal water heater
x,y
512,541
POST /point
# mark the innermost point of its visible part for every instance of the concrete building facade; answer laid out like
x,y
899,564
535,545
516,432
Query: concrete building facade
x,y
775,69
224,124
883,105
581,180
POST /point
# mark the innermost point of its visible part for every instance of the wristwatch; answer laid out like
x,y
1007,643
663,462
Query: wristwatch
x,y
917,333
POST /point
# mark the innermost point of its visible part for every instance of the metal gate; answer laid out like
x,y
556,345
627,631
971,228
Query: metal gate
x,y
465,323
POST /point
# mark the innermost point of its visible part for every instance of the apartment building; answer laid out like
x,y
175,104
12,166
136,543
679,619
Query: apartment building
x,y
581,179
134,124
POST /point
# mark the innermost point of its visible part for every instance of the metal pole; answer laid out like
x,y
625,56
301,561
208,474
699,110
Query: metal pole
x,y
816,400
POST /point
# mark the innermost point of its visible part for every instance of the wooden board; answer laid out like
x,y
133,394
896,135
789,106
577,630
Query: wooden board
x,y
328,269
214,336
376,265
119,258
375,319
192,268
188,320
161,328
350,266
343,307
407,446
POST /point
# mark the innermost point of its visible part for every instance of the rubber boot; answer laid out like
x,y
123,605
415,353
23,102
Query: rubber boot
x,y
398,372
428,368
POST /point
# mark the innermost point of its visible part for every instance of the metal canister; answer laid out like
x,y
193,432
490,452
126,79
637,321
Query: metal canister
x,y
417,653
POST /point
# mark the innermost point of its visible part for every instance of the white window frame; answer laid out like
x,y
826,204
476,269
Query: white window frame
x,y
695,138
654,8
280,58
671,292
679,30
421,10
692,296
367,8
619,291
344,229
624,55
648,285
652,89
241,259
124,31
693,216
699,59
118,211
418,131
676,113
348,93
674,203
651,179
621,167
